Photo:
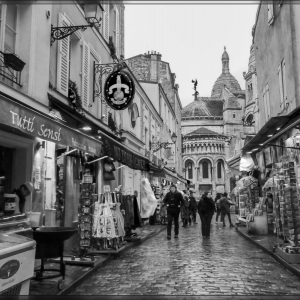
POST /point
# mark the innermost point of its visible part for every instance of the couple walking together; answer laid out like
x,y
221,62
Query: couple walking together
x,y
206,209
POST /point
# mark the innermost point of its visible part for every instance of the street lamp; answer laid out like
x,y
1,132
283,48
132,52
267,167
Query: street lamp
x,y
92,15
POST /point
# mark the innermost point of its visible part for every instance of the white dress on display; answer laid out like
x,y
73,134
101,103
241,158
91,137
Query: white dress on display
x,y
148,199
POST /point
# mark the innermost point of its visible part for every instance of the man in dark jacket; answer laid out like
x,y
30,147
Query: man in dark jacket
x,y
206,209
225,209
193,207
173,201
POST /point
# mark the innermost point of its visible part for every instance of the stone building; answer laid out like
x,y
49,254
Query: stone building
x,y
214,130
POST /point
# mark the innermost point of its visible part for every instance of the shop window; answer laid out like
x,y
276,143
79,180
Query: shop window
x,y
205,169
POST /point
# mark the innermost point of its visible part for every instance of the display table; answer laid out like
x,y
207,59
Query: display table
x,y
260,224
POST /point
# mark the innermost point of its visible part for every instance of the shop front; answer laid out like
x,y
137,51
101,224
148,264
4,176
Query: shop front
x,y
277,154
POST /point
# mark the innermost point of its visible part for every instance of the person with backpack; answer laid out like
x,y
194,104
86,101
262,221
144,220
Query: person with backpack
x,y
217,204
206,210
173,201
225,209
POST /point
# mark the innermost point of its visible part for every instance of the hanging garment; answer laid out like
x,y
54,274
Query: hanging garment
x,y
127,205
148,200
136,211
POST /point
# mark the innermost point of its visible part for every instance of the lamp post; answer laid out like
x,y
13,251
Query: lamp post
x,y
174,139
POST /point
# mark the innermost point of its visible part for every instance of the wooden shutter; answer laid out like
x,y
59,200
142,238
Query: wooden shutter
x,y
284,93
106,22
63,59
117,33
268,102
280,84
85,75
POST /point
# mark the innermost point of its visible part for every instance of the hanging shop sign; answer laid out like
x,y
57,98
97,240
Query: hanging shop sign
x,y
35,124
123,155
119,90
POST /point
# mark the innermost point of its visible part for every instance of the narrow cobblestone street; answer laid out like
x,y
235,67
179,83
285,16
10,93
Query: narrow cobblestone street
x,y
227,264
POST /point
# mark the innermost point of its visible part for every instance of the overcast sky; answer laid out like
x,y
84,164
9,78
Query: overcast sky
x,y
192,38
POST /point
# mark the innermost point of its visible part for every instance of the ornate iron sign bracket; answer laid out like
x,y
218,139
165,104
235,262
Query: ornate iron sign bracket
x,y
101,72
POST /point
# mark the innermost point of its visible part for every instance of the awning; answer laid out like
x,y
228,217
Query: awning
x,y
183,180
170,176
123,155
268,130
41,126
233,164
156,171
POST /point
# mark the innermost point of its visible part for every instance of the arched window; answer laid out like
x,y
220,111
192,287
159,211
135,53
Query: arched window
x,y
233,115
249,121
189,167
219,169
205,169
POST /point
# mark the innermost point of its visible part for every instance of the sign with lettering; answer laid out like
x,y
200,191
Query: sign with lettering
x,y
123,155
35,124
119,90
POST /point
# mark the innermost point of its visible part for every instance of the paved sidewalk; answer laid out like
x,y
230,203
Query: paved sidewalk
x,y
226,266
75,273
268,243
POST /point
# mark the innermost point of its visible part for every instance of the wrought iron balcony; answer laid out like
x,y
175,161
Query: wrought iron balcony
x,y
11,67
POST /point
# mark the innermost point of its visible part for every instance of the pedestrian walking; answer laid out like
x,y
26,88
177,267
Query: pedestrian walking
x,y
206,209
173,201
185,210
217,204
193,207
225,209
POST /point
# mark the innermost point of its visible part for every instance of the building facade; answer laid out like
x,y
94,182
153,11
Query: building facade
x,y
156,78
214,129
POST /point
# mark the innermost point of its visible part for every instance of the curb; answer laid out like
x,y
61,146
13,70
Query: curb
x,y
73,285
293,270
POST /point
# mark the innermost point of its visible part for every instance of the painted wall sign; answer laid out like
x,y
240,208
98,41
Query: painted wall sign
x,y
35,124
9,269
123,155
119,90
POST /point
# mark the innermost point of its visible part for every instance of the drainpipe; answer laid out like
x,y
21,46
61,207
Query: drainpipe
x,y
295,55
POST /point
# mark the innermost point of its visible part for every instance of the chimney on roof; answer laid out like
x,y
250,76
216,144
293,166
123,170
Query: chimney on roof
x,y
154,52
158,56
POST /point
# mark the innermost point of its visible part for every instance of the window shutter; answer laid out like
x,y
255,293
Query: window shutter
x,y
106,22
117,33
268,102
284,81
280,84
270,13
63,59
85,75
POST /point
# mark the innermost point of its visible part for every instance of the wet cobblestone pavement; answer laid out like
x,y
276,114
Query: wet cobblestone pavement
x,y
227,264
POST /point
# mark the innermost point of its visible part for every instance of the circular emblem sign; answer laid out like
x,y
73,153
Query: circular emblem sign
x,y
119,90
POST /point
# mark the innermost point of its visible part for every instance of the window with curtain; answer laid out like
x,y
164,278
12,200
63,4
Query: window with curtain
x,y
219,169
205,169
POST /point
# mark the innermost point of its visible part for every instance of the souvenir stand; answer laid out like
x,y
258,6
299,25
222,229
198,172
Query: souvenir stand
x,y
251,208
286,191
